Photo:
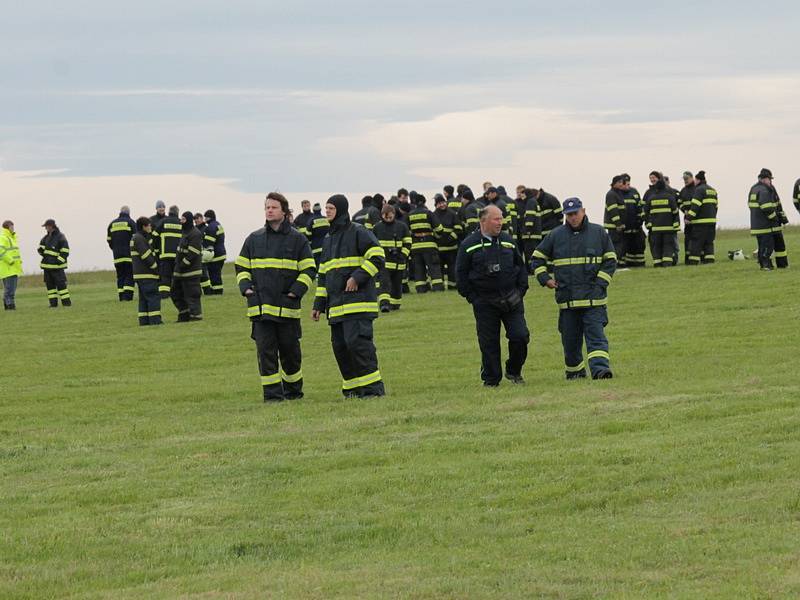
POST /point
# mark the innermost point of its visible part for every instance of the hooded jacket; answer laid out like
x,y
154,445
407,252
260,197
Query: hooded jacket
x,y
119,234
661,209
54,250
145,265
189,255
349,250
368,216
10,259
275,263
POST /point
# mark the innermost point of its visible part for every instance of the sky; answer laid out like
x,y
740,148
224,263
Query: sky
x,y
211,105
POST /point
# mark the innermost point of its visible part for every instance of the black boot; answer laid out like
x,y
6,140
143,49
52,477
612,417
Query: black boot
x,y
12,306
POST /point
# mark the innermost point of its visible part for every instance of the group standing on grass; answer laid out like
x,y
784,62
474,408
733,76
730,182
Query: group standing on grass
x,y
486,247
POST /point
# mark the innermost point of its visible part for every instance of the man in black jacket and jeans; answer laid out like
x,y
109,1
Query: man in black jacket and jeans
x,y
492,276
274,270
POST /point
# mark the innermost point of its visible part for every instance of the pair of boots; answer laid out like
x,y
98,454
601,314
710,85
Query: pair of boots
x,y
11,306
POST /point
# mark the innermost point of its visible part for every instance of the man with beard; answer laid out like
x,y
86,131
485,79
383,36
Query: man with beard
x,y
351,258
185,290
302,222
161,213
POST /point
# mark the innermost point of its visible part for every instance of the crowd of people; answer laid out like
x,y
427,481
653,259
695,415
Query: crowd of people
x,y
486,247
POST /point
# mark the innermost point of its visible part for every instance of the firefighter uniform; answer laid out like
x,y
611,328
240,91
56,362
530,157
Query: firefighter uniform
x,y
10,266
348,251
583,265
796,195
302,223
702,214
185,291
395,239
531,226
684,203
613,220
426,268
120,232
766,223
54,250
468,213
145,274
368,216
633,236
166,239
493,277
549,211
662,221
319,228
447,242
214,239
271,265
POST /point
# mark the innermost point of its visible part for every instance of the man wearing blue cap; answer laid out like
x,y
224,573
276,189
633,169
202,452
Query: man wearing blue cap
x,y
583,262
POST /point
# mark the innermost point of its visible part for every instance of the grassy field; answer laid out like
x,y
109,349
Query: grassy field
x,y
141,462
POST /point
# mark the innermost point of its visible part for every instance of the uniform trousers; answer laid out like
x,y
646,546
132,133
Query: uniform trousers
x,y
634,242
279,357
166,267
687,235
577,325
391,287
55,280
125,287
426,266
215,276
701,244
662,248
149,302
186,294
354,349
770,244
618,240
447,260
488,319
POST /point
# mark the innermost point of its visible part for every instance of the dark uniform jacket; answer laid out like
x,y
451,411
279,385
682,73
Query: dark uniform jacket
x,y
549,212
189,255
468,214
369,216
796,195
661,210
685,197
395,239
214,238
145,265
167,234
302,223
703,209
54,250
532,219
583,262
423,225
156,219
447,239
454,203
274,264
319,229
633,214
349,250
120,232
766,212
489,267
615,209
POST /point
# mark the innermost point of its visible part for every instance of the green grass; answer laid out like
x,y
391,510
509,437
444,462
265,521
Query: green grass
x,y
140,462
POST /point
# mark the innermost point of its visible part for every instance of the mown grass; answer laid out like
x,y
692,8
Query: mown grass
x,y
140,462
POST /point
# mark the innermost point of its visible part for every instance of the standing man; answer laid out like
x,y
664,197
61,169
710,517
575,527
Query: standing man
x,y
796,195
493,278
662,221
302,222
120,232
185,290
214,238
702,215
319,229
468,213
54,251
161,214
532,223
766,222
633,219
368,216
395,239
208,254
274,270
427,270
453,202
166,239
613,218
351,258
447,240
10,264
583,263
684,203
145,273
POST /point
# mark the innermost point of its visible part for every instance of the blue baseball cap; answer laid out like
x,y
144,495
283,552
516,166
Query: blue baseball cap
x,y
572,205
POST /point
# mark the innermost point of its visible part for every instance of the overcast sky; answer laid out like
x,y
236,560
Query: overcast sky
x,y
213,104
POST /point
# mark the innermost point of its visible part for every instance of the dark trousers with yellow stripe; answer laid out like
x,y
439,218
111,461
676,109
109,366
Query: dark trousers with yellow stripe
x,y
662,248
355,352
166,267
215,276
55,280
205,281
577,325
185,293
701,244
279,358
634,242
125,287
770,244
391,287
447,260
149,302
427,270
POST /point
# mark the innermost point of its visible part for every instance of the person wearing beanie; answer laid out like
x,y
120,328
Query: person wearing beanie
x,y
10,264
185,290
425,265
319,229
395,239
702,215
766,222
661,217
54,250
161,213
145,273
119,234
583,263
447,240
368,216
165,242
274,271
214,239
351,258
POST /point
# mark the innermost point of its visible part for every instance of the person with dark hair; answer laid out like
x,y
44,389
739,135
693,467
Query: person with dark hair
x,y
351,258
494,279
319,229
549,211
54,251
766,222
614,217
447,240
684,202
531,221
425,265
583,262
166,238
214,239
378,201
303,221
453,201
368,216
10,264
274,270
161,214
395,239
120,232
185,290
145,273
702,215
468,213
633,219
404,206
662,221
654,177
208,254
796,195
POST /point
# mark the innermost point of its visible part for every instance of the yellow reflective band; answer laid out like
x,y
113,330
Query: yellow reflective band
x,y
703,221
473,248
304,279
583,303
352,308
219,258
124,259
210,238
540,270
598,354
320,223
145,276
370,268
120,226
242,262
578,260
418,226
576,368
349,384
604,275
507,245
541,255
384,297
341,263
374,251
243,276
271,379
189,274
274,311
609,255
321,292
293,378
306,263
193,249
423,246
